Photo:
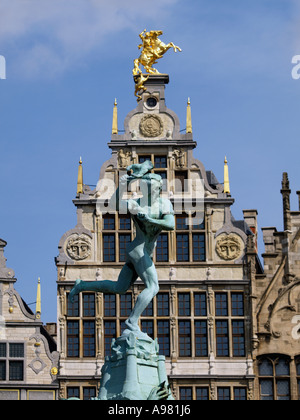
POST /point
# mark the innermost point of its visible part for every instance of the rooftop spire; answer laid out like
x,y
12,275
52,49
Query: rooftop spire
x,y
38,309
115,118
286,192
189,128
226,177
80,178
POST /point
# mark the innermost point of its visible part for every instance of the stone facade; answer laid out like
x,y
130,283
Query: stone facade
x,y
228,326
202,315
28,356
276,309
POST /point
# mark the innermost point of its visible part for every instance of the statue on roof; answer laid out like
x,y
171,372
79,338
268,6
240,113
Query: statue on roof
x,y
152,50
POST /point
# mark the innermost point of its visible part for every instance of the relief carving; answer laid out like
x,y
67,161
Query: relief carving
x,y
79,247
151,126
180,158
124,158
229,247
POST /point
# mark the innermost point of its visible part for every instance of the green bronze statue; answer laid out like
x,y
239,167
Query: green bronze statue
x,y
151,215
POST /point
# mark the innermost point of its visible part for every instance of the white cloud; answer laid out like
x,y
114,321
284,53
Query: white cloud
x,y
54,34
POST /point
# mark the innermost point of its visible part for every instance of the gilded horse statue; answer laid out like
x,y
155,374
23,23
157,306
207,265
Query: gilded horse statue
x,y
152,50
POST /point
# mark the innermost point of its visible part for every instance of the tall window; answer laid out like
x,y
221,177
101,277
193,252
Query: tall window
x,y
229,393
190,239
222,334
192,324
109,248
109,222
163,337
201,345
155,321
185,339
223,393
184,304
124,239
163,304
73,338
116,236
110,332
124,222
194,393
182,221
230,324
198,247
200,307
183,250
81,329
143,159
186,393
160,162
12,362
116,309
162,248
274,378
89,340
110,308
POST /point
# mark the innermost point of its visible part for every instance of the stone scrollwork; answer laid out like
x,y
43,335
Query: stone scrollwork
x,y
229,247
151,126
79,247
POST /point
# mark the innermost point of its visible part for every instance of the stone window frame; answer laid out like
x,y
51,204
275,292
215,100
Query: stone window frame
x,y
113,318
225,312
8,359
187,313
79,392
274,377
114,230
188,232
76,314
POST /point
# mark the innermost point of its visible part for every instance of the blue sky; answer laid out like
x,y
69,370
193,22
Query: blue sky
x,y
68,59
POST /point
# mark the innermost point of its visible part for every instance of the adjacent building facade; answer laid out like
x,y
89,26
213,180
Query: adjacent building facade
x,y
28,355
276,309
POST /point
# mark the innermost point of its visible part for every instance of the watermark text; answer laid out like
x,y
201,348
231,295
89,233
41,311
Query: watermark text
x,y
2,68
296,68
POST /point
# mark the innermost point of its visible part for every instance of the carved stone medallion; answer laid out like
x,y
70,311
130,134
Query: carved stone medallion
x,y
79,247
229,247
151,126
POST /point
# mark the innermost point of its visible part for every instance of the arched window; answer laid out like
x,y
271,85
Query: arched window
x,y
274,377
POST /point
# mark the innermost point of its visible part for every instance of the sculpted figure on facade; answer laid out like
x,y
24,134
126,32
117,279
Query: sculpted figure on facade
x,y
124,158
180,158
